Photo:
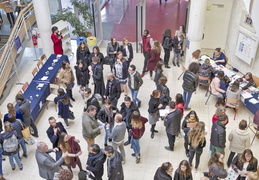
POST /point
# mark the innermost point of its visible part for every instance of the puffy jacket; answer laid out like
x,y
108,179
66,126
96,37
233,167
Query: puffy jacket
x,y
173,122
239,140
206,70
168,43
218,135
161,176
95,164
190,81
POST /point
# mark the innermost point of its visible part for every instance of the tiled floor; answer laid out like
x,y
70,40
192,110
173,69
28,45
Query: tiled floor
x,y
152,150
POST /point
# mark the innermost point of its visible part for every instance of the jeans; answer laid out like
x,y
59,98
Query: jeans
x,y
135,145
22,144
1,168
198,156
58,154
167,56
121,147
177,56
134,94
230,158
186,97
17,159
171,140
146,56
106,135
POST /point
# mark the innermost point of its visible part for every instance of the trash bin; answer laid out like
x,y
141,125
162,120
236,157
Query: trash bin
x,y
91,41
80,39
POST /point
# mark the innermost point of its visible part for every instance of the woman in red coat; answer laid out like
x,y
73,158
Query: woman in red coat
x,y
154,58
56,37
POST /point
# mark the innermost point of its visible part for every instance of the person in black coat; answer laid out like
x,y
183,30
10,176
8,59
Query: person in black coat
x,y
96,53
53,132
127,108
95,161
97,75
184,171
167,43
113,89
95,100
112,49
82,53
82,74
164,172
165,92
178,41
127,50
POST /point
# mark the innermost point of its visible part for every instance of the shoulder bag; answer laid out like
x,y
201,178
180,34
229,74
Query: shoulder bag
x,y
25,131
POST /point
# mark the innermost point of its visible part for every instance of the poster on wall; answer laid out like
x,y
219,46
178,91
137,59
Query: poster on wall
x,y
18,44
245,49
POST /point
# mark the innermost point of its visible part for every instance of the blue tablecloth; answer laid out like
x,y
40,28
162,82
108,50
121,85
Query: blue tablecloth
x,y
252,107
37,103
52,73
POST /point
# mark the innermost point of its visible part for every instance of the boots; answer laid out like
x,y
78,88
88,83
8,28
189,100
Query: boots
x,y
152,130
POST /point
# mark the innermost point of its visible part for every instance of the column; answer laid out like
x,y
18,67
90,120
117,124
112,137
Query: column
x,y
195,27
42,14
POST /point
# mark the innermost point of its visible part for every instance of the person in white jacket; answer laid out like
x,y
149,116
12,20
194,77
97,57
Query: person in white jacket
x,y
239,140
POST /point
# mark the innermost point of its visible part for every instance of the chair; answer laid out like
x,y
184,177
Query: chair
x,y
256,79
43,58
34,71
226,59
52,96
183,69
25,86
40,64
205,84
232,103
254,128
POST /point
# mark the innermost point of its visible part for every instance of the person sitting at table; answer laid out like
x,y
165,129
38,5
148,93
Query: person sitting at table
x,y
195,56
66,76
233,92
12,111
219,57
215,86
206,70
247,78
224,83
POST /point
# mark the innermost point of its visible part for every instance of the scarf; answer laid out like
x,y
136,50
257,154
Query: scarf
x,y
109,114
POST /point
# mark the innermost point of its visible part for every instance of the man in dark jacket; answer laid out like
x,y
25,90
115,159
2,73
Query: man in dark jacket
x,y
127,107
94,100
135,81
114,164
96,159
218,135
53,132
25,110
172,124
113,89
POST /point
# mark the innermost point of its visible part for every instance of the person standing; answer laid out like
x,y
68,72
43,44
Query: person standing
x,y
12,111
96,53
121,71
178,43
190,83
114,164
147,42
95,161
135,82
90,126
113,89
158,72
239,139
97,75
82,74
165,92
117,134
82,53
218,135
56,38
53,133
20,5
164,172
172,124
25,110
127,108
112,49
127,50
67,78
8,8
47,165
179,102
95,100
167,43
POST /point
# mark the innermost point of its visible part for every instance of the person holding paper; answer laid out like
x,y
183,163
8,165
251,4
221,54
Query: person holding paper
x,y
247,78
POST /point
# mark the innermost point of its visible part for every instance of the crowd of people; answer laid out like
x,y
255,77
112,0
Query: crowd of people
x,y
102,112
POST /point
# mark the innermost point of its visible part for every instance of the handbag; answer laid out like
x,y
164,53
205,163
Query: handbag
x,y
71,115
108,60
70,85
164,99
25,131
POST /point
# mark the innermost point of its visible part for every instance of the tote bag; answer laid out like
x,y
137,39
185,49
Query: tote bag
x,y
25,131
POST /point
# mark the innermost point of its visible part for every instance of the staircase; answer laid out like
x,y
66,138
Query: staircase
x,y
3,41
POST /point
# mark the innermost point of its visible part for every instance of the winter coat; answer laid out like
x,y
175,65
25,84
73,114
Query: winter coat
x,y
121,70
184,126
206,70
124,52
83,54
54,138
127,116
137,81
167,43
180,106
90,126
93,101
178,176
110,49
153,60
66,76
161,176
95,164
215,86
102,115
173,122
217,171
218,135
239,140
136,132
178,44
57,43
190,81
100,55
82,75
153,105
98,80
115,91
115,170
7,135
25,110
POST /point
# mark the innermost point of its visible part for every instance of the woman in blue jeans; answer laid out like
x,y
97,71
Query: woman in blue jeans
x,y
138,128
11,153
190,83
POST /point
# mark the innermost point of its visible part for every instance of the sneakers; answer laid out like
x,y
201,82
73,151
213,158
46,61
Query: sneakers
x,y
67,127
166,66
137,159
139,104
174,64
147,77
152,135
126,143
123,162
143,74
168,148
187,109
13,168
195,170
133,154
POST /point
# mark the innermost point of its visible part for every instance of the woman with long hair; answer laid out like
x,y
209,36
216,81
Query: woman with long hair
x,y
112,49
127,50
244,163
216,166
190,120
82,74
158,72
164,172
195,56
165,92
97,75
153,111
12,111
68,143
121,71
248,78
96,53
56,38
197,139
184,171
82,53
233,92
154,58
167,43
179,102
138,128
67,78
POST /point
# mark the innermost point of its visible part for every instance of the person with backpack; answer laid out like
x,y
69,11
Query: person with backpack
x,y
10,144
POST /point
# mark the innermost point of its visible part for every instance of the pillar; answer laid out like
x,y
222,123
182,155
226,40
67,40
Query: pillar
x,y
195,27
42,14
